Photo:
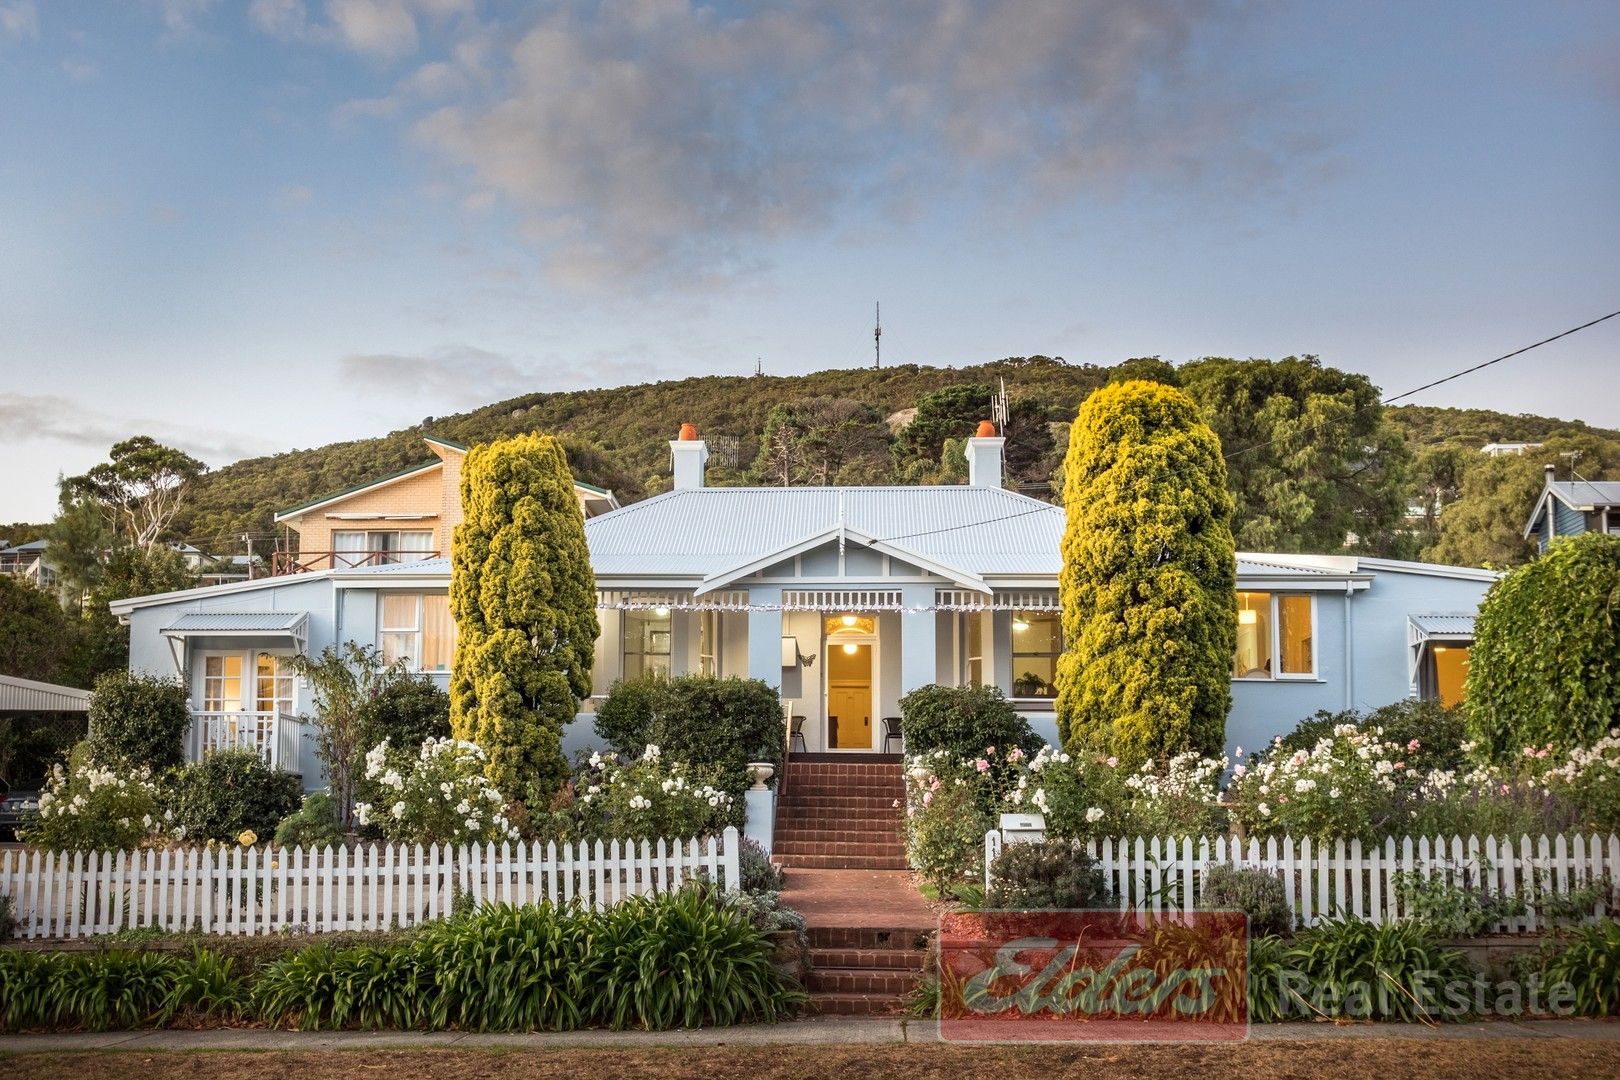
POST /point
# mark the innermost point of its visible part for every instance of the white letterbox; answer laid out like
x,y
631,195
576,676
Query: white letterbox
x,y
1022,828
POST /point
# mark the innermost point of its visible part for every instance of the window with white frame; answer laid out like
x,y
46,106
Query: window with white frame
x,y
1276,636
709,642
417,628
222,682
1037,642
272,684
974,673
375,547
646,642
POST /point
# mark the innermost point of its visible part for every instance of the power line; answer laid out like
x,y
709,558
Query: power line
x,y
970,524
1431,385
1307,431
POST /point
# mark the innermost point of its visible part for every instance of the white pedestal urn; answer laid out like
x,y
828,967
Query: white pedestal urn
x,y
760,801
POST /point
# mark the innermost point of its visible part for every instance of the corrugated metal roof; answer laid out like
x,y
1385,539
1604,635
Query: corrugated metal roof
x,y
1587,492
26,695
1444,625
420,566
979,530
236,622
1249,566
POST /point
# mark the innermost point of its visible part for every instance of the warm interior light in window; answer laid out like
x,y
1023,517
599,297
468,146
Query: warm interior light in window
x,y
1248,617
662,613
850,648
1020,624
849,620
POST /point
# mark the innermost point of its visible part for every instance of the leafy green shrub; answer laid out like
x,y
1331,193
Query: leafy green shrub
x,y
206,986
1586,958
1270,999
1087,795
408,709
113,989
699,720
507,968
945,825
89,807
766,912
685,959
965,721
27,979
1438,732
8,918
1258,894
651,798
1543,667
405,709
138,719
230,792
758,874
1359,970
313,825
1447,910
1045,874
1344,786
437,793
318,987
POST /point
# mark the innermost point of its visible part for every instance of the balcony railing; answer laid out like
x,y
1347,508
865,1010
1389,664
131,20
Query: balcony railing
x,y
273,736
304,562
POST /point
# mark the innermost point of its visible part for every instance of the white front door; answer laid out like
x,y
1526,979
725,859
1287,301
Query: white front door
x,y
850,648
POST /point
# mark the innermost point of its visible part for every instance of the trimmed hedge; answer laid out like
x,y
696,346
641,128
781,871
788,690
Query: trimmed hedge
x,y
139,720
697,719
963,720
230,791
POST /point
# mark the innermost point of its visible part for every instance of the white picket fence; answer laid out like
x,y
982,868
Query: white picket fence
x,y
1330,879
264,890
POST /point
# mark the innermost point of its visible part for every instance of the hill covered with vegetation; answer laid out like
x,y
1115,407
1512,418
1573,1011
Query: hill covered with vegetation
x,y
1329,460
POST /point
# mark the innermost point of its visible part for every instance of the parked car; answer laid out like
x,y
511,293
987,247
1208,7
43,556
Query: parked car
x,y
13,804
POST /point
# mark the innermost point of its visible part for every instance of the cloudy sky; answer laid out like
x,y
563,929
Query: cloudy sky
x,y
250,225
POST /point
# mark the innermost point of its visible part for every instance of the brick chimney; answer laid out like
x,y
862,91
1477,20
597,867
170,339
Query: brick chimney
x,y
689,454
984,456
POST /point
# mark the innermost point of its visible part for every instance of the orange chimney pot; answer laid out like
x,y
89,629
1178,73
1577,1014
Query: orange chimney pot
x,y
688,433
987,430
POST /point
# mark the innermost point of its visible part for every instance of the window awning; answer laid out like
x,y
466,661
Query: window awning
x,y
244,624
1424,630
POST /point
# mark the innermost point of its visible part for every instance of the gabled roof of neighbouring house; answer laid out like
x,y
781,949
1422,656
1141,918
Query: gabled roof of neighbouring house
x,y
702,531
1582,495
590,491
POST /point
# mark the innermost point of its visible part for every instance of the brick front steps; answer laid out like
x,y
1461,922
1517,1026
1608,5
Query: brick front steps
x,y
838,840
867,971
838,812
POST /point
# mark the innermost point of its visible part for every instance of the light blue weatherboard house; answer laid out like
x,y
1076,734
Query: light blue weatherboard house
x,y
845,598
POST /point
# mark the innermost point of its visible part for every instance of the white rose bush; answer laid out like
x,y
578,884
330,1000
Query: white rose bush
x,y
436,794
649,798
87,806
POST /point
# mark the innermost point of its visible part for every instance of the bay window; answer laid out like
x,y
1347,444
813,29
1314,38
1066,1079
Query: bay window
x,y
1276,636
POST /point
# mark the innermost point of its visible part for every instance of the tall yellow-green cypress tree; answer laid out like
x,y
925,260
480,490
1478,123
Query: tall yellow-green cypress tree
x,y
524,600
1149,578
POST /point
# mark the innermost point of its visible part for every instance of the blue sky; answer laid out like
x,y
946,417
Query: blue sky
x,y
249,226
